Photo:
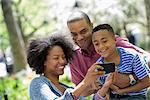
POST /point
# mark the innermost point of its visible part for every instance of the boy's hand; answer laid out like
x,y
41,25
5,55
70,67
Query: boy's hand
x,y
117,89
121,80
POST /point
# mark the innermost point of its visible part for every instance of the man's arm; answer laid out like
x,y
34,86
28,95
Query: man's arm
x,y
123,42
76,76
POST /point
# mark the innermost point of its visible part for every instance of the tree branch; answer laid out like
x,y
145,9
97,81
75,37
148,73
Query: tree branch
x,y
36,28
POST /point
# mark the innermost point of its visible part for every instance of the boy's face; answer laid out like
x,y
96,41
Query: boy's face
x,y
104,43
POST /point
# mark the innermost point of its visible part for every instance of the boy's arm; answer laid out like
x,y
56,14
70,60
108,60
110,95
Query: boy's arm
x,y
124,80
143,83
121,80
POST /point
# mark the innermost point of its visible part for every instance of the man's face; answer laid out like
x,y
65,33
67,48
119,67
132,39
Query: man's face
x,y
81,32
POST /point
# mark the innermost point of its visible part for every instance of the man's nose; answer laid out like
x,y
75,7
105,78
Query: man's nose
x,y
80,37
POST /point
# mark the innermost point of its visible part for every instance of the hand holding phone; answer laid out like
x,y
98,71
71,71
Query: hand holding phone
x,y
107,67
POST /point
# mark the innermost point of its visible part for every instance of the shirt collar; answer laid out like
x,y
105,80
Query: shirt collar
x,y
89,52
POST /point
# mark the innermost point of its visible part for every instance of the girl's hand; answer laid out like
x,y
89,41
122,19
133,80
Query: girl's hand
x,y
109,80
92,74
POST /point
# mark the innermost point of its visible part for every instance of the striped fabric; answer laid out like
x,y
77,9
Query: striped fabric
x,y
130,62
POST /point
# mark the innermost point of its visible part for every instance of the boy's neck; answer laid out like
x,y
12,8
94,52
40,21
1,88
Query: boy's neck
x,y
115,57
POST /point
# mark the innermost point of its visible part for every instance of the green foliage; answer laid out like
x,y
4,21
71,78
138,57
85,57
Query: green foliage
x,y
13,88
33,16
66,80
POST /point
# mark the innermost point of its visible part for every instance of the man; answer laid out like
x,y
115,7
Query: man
x,y
81,28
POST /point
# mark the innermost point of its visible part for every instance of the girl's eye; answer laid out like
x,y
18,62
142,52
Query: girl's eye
x,y
55,58
63,57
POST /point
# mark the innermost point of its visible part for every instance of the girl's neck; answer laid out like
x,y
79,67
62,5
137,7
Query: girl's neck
x,y
53,79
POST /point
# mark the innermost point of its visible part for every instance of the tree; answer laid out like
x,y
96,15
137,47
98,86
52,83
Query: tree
x,y
26,23
30,21
147,6
15,37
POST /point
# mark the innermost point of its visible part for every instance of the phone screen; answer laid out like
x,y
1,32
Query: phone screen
x,y
108,67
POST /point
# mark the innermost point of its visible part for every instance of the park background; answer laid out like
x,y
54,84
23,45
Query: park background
x,y
21,20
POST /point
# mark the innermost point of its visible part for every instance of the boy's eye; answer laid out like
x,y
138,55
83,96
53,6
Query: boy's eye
x,y
95,44
104,41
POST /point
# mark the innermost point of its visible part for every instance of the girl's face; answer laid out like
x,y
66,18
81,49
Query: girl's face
x,y
55,61
104,43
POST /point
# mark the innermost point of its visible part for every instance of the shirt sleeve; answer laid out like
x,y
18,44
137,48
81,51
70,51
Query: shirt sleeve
x,y
39,90
75,75
97,96
140,67
123,42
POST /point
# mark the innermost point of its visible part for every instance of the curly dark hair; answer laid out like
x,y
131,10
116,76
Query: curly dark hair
x,y
38,50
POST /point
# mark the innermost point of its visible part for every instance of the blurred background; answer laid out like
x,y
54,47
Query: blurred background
x,y
21,20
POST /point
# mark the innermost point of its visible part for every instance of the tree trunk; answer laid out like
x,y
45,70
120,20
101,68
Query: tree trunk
x,y
15,37
147,6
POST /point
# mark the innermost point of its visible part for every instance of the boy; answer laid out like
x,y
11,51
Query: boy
x,y
126,61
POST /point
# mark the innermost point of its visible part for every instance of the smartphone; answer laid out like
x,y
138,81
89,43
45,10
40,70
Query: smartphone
x,y
108,67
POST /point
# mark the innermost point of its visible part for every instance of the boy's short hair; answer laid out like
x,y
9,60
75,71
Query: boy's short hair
x,y
103,27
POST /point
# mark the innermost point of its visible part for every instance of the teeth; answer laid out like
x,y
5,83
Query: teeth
x,y
61,66
103,50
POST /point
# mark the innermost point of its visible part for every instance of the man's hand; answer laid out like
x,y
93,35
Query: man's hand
x,y
121,80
